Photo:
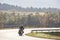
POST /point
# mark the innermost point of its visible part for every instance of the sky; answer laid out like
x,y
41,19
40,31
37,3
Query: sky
x,y
34,3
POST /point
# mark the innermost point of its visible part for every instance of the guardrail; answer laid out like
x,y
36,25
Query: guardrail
x,y
46,30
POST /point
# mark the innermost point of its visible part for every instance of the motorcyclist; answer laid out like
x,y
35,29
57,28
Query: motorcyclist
x,y
21,28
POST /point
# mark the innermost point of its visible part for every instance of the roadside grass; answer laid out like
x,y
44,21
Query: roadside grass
x,y
43,35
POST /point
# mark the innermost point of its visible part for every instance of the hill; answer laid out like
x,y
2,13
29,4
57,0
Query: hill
x,y
31,9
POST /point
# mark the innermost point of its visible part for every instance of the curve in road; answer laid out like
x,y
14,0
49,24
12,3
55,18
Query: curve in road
x,y
12,34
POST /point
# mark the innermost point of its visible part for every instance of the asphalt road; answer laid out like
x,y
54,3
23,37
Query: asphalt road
x,y
12,34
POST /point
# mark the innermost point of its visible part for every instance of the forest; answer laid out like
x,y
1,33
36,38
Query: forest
x,y
30,19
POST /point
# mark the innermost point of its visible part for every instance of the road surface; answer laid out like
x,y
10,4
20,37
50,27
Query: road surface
x,y
12,34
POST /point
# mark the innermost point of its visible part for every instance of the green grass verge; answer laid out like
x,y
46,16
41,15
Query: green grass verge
x,y
43,35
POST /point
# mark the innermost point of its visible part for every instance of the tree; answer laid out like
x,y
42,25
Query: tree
x,y
2,19
45,19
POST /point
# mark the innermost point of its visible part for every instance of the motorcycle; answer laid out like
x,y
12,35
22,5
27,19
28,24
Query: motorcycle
x,y
20,32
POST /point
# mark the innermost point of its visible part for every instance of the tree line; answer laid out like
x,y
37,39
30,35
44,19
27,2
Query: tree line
x,y
49,19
